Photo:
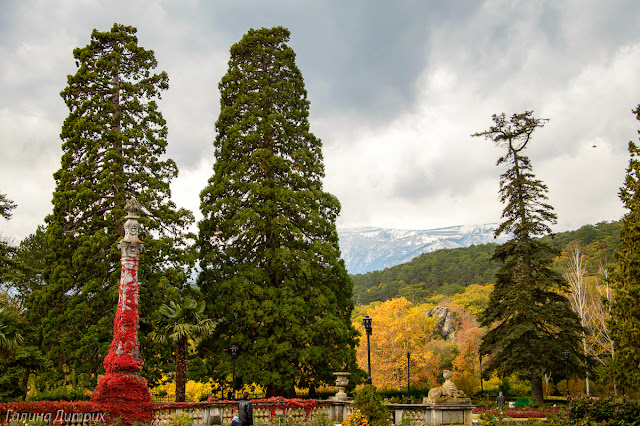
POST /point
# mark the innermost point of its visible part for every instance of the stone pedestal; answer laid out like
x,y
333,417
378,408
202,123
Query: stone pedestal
x,y
448,411
338,411
342,380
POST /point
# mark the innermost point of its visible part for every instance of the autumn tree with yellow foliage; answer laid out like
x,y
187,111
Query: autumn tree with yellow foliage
x,y
399,327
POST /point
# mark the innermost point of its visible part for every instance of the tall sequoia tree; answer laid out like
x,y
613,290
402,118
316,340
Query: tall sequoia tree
x,y
625,311
271,269
113,140
531,323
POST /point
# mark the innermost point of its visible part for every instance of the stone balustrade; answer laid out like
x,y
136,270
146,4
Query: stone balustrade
x,y
221,413
266,413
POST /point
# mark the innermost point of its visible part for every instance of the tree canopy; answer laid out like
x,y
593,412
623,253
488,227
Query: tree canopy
x,y
431,273
7,251
426,274
625,310
530,323
268,247
113,143
6,205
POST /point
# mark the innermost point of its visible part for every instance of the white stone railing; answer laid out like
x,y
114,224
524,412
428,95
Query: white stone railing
x,y
221,413
264,413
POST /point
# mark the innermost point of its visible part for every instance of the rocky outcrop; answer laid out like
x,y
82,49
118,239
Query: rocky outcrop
x,y
445,326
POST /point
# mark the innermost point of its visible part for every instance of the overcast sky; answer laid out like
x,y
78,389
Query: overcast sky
x,y
396,89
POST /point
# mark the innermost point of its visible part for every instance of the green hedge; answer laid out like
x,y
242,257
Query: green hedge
x,y
64,393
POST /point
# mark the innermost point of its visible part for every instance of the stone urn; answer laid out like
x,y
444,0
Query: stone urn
x,y
342,380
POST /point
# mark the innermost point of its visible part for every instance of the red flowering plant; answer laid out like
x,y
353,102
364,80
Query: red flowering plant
x,y
525,414
522,413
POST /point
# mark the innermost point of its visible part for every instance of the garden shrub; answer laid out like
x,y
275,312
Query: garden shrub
x,y
62,393
369,402
181,419
30,423
399,396
584,410
323,420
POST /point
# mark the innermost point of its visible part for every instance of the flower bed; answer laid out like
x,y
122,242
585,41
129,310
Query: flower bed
x,y
524,413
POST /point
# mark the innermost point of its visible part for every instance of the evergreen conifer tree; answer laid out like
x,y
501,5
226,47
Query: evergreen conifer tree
x,y
113,141
7,251
625,311
531,324
6,205
271,269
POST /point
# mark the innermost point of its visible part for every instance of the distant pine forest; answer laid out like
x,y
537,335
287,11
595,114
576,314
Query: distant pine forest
x,y
450,271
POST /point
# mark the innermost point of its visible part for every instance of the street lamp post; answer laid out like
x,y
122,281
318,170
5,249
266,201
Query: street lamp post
x,y
408,377
481,388
366,321
234,354
566,364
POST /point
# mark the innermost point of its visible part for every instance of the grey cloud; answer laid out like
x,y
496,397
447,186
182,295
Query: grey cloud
x,y
367,66
359,56
456,174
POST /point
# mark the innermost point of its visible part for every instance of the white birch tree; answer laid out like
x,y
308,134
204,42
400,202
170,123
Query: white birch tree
x,y
581,303
590,298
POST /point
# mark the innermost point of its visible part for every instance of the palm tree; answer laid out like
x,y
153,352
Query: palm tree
x,y
181,323
10,337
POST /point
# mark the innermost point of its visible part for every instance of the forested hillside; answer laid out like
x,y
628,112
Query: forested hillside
x,y
449,271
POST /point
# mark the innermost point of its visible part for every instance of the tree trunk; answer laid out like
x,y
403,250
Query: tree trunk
x,y
181,369
536,391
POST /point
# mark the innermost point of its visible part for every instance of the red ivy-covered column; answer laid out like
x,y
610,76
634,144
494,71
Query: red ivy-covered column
x,y
121,391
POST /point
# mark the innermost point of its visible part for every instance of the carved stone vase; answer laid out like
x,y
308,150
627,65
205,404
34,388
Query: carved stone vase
x,y
342,380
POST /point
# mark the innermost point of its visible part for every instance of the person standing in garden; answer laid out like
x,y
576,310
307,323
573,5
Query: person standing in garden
x,y
500,401
245,410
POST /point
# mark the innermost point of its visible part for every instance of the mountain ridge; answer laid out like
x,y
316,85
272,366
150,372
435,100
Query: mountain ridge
x,y
367,249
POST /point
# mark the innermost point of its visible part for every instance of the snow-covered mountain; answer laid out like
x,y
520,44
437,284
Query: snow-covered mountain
x,y
371,249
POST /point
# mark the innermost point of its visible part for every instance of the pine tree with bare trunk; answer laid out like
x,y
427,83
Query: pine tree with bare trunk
x,y
530,323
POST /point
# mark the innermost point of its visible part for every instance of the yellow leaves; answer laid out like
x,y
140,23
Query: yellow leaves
x,y
475,298
195,391
398,327
198,391
466,365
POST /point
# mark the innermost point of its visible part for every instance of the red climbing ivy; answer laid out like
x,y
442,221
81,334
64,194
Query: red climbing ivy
x,y
284,404
121,391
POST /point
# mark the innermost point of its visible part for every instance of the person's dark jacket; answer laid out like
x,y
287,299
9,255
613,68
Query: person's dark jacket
x,y
500,401
245,412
